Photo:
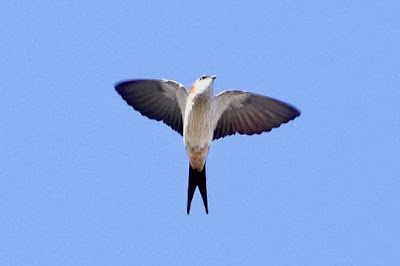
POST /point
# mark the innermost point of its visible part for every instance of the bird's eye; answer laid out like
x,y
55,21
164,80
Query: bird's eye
x,y
203,77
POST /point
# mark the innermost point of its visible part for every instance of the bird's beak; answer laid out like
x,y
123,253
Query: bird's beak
x,y
213,77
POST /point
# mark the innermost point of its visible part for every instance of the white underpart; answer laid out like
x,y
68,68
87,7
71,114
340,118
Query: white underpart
x,y
198,129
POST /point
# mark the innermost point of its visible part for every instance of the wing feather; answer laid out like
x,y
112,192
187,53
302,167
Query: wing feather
x,y
249,113
161,100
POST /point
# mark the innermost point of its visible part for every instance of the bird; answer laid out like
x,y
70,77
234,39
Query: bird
x,y
200,117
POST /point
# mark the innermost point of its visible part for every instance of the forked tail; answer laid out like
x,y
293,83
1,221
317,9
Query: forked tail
x,y
197,179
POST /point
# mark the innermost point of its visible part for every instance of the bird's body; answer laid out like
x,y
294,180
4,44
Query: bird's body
x,y
200,117
198,128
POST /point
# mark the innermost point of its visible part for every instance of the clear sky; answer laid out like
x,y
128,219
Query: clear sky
x,y
86,180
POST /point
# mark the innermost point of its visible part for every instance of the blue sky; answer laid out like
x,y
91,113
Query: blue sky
x,y
86,180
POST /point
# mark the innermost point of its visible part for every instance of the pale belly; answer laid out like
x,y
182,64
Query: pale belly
x,y
198,133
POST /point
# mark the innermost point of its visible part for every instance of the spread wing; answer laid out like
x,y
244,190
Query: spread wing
x,y
162,100
249,113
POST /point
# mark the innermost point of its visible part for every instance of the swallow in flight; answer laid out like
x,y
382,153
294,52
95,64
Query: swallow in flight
x,y
200,117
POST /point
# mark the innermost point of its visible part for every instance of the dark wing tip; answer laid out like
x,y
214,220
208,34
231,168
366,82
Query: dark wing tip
x,y
296,112
120,85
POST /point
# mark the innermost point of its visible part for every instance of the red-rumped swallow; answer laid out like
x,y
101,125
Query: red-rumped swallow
x,y
200,117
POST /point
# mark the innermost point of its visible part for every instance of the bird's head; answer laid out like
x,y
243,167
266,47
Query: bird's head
x,y
203,84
